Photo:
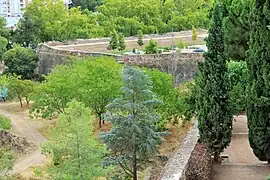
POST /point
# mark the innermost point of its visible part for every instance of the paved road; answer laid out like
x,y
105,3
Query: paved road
x,y
24,127
242,163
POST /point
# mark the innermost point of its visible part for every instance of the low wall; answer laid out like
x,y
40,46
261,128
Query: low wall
x,y
175,168
183,66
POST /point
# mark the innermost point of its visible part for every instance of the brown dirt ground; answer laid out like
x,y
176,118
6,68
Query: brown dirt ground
x,y
29,129
133,44
242,163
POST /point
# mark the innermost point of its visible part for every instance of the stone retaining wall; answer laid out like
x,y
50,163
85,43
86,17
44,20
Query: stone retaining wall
x,y
183,66
175,168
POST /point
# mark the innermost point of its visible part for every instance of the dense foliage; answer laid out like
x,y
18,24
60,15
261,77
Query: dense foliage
x,y
20,89
258,62
5,123
151,47
56,22
76,153
20,61
93,81
236,28
237,72
6,161
214,113
133,138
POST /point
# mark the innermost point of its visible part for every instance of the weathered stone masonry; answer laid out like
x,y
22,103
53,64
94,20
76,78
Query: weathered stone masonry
x,y
183,66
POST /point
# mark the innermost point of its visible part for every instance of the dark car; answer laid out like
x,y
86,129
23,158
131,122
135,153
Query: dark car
x,y
198,50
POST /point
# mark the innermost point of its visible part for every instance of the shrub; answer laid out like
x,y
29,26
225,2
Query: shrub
x,y
199,164
181,44
151,47
237,72
5,123
268,177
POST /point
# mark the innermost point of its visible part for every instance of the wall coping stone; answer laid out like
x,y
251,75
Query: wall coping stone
x,y
174,169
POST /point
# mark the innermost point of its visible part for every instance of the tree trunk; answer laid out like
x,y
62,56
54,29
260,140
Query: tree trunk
x,y
21,102
134,160
216,156
99,121
27,101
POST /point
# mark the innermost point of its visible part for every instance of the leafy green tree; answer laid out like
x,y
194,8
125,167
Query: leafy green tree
x,y
237,71
3,46
6,161
121,43
20,61
194,34
173,104
75,152
93,81
236,29
140,38
151,47
113,44
88,4
27,32
258,81
214,113
3,30
133,138
20,89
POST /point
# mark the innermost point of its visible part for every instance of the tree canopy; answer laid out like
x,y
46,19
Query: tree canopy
x,y
20,61
76,153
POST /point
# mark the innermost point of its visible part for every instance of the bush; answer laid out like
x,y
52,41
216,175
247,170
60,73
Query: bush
x,y
199,164
268,177
238,77
5,123
151,47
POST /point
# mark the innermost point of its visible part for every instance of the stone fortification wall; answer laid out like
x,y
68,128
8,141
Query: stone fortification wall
x,y
183,66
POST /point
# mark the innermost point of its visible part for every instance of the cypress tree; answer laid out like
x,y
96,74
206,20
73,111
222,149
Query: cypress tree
x,y
113,44
140,38
121,43
214,114
236,29
258,90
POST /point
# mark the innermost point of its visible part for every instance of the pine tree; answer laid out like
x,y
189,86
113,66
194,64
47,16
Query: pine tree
x,y
140,38
121,43
133,138
258,108
194,34
214,114
75,153
114,41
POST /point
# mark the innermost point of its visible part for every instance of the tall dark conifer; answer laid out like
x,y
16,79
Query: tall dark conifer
x,y
214,114
258,109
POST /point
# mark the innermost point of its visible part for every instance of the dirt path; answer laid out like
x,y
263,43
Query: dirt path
x,y
24,127
242,163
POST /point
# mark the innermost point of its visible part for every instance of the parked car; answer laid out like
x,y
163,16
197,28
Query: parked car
x,y
199,50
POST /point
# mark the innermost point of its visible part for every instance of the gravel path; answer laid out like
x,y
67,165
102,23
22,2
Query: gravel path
x,y
24,127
